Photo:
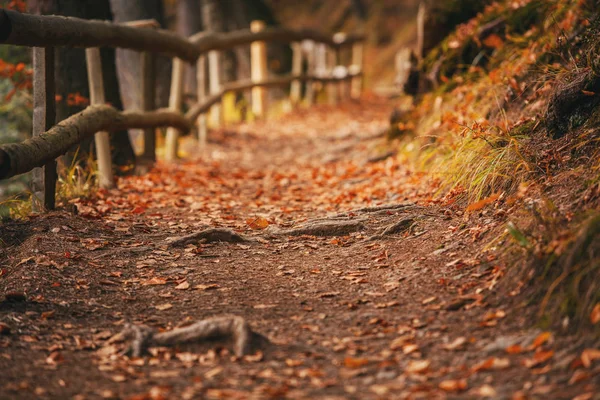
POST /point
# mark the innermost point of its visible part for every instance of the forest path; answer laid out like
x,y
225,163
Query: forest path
x,y
362,315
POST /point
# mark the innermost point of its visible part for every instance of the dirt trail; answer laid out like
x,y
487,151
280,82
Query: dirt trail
x,y
404,306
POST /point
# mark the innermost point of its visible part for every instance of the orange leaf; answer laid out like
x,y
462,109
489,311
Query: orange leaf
x,y
350,362
453,385
482,203
485,365
155,281
541,339
538,358
514,349
257,223
418,366
494,41
588,356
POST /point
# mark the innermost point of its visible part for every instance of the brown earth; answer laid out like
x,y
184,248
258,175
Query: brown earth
x,y
412,314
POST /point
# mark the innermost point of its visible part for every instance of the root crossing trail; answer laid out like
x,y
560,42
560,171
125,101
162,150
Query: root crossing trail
x,y
349,281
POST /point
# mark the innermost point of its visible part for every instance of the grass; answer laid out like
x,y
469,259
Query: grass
x,y
75,180
482,133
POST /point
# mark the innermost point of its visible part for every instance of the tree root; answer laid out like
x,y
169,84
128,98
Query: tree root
x,y
399,227
382,157
324,228
245,341
209,236
386,207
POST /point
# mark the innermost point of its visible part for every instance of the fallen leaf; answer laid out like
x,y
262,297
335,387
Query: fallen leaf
x,y
538,358
47,314
482,203
418,366
293,363
493,41
588,356
350,362
453,385
183,286
401,341
119,378
255,357
410,348
514,349
541,339
264,306
54,358
258,223
155,281
456,343
164,374
207,287
578,376
484,391
163,307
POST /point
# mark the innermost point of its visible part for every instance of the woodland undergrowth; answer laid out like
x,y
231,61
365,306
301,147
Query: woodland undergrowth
x,y
483,133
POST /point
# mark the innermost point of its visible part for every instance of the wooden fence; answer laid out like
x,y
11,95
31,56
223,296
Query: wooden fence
x,y
322,53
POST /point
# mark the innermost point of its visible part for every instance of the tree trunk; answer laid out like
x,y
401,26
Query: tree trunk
x,y
71,73
189,22
129,62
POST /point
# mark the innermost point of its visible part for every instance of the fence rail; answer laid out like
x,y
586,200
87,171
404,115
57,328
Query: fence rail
x,y
321,52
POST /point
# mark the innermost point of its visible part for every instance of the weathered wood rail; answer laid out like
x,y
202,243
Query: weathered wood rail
x,y
321,52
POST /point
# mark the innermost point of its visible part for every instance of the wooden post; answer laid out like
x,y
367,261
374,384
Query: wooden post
x,y
44,117
201,90
421,16
320,67
258,67
296,88
310,49
148,82
175,100
332,87
102,140
214,83
357,67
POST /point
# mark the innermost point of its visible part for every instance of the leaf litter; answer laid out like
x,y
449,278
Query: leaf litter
x,y
392,317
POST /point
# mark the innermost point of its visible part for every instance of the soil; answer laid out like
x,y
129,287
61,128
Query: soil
x,y
403,305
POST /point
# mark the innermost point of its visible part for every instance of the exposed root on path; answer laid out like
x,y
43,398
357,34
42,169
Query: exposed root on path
x,y
398,227
208,236
324,228
386,207
245,341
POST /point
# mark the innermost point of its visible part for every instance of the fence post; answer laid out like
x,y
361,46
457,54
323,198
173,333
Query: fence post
x,y
310,49
332,86
201,90
296,88
421,16
320,67
214,83
357,67
44,117
102,140
175,99
148,82
258,71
